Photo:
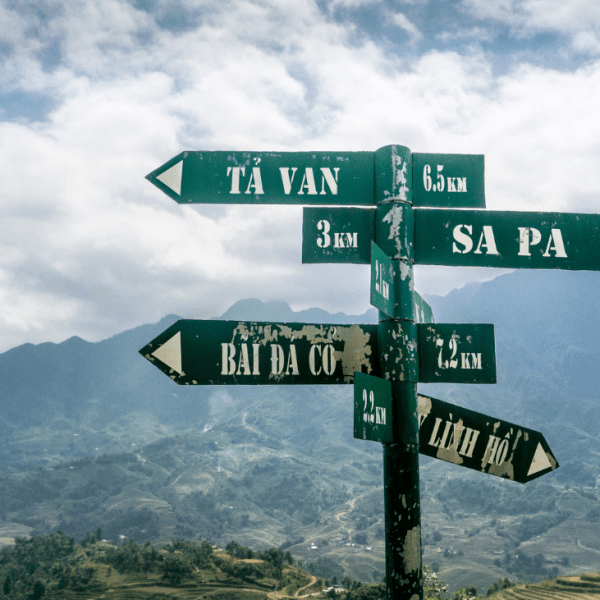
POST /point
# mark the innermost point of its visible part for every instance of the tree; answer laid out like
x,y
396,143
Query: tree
x,y
38,590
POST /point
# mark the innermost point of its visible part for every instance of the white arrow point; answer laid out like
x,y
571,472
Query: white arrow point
x,y
170,353
540,461
172,177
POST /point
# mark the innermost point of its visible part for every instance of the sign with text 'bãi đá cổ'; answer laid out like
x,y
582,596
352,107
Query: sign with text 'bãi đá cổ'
x,y
194,352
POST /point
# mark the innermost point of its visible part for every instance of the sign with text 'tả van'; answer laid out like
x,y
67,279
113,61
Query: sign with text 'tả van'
x,y
309,178
529,240
232,352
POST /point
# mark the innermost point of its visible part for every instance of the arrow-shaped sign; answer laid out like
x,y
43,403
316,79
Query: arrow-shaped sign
x,y
465,437
311,178
454,434
257,353
234,352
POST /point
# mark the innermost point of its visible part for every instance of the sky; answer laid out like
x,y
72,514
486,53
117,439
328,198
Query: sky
x,y
96,94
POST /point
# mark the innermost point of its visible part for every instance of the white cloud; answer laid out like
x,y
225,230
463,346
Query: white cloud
x,y
402,22
577,18
89,247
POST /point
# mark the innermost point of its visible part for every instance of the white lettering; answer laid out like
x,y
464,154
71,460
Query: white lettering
x,y
468,445
490,241
286,180
255,182
528,236
461,184
244,361
324,227
311,359
308,182
235,178
227,362
332,180
276,359
559,246
329,360
292,362
462,238
255,366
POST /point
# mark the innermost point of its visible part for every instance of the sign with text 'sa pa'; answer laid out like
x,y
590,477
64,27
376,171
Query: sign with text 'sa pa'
x,y
232,352
372,408
476,441
529,240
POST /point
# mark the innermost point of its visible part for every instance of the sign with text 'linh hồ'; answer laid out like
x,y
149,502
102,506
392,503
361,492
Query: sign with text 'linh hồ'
x,y
476,441
454,434
531,240
314,178
232,352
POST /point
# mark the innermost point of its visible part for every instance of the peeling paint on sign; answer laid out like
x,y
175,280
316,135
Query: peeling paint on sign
x,y
465,437
240,352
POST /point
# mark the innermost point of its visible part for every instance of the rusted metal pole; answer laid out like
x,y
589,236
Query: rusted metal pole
x,y
394,234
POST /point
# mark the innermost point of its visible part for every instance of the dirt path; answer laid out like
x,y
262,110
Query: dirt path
x,y
297,594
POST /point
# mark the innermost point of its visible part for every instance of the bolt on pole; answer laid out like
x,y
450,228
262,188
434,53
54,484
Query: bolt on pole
x,y
397,343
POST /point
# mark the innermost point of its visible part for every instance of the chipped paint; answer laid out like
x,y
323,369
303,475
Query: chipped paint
x,y
240,352
412,550
399,176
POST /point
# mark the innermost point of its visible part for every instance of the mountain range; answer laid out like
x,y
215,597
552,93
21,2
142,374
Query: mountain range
x,y
93,435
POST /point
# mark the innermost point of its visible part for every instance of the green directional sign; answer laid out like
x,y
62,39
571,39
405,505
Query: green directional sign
x,y
456,353
372,408
448,180
383,288
234,352
337,235
312,178
531,240
235,177
476,441
423,312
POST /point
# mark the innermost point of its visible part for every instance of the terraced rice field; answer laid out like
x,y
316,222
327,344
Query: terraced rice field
x,y
583,587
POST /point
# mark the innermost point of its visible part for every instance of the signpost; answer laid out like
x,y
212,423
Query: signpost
x,y
372,408
457,353
531,240
311,178
196,352
252,353
383,281
384,361
454,434
465,437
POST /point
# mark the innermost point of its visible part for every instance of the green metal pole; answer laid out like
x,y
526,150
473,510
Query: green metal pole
x,y
397,342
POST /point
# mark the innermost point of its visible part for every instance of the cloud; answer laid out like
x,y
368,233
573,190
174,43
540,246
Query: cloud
x,y
402,22
88,247
578,19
